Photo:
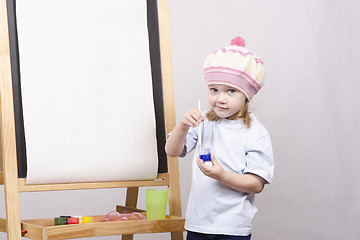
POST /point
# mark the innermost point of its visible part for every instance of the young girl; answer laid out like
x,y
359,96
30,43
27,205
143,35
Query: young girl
x,y
221,201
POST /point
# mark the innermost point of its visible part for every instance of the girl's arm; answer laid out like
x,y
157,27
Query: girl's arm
x,y
175,144
249,183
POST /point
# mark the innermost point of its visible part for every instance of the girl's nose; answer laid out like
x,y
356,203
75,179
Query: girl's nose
x,y
221,98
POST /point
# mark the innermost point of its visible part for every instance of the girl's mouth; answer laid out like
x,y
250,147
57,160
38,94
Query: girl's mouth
x,y
221,108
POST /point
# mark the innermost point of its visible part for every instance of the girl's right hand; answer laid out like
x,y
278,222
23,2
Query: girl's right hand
x,y
192,118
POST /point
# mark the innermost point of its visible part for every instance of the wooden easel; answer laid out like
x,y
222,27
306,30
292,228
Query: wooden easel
x,y
44,228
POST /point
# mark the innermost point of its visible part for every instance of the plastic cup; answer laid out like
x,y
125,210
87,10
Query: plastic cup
x,y
156,201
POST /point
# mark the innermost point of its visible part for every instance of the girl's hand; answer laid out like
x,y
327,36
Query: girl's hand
x,y
175,144
216,171
248,183
192,118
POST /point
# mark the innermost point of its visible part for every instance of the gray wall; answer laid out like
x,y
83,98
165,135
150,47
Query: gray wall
x,y
309,104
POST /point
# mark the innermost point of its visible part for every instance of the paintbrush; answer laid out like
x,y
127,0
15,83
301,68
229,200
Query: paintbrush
x,y
199,130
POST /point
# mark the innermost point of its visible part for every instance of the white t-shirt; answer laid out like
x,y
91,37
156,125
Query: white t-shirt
x,y
213,207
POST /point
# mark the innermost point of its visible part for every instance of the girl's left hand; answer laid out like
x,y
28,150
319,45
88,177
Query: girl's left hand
x,y
216,171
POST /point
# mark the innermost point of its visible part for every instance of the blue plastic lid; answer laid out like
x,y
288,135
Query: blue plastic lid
x,y
206,157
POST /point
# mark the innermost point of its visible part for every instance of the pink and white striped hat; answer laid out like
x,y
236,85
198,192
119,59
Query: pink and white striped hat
x,y
235,66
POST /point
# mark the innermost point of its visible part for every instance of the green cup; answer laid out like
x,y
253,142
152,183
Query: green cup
x,y
156,201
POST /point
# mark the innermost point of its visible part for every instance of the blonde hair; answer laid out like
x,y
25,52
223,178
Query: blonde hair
x,y
243,114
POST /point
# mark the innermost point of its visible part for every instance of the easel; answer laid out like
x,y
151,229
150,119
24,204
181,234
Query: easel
x,y
44,228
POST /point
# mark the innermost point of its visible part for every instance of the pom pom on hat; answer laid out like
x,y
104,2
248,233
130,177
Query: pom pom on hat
x,y
235,66
238,41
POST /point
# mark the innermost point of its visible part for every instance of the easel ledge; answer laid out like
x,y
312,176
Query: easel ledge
x,y
45,229
162,179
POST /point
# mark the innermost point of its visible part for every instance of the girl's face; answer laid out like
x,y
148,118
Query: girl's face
x,y
225,100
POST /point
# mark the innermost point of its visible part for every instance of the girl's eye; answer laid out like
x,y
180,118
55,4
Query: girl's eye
x,y
214,90
231,90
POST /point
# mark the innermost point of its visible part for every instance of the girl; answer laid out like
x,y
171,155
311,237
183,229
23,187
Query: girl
x,y
221,201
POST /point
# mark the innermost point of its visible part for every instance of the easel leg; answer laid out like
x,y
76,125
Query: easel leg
x,y
174,193
12,209
177,236
131,201
170,121
7,132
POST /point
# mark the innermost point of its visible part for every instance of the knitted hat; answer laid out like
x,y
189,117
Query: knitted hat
x,y
235,66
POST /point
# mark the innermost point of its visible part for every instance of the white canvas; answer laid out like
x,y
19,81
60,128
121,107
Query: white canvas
x,y
86,90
